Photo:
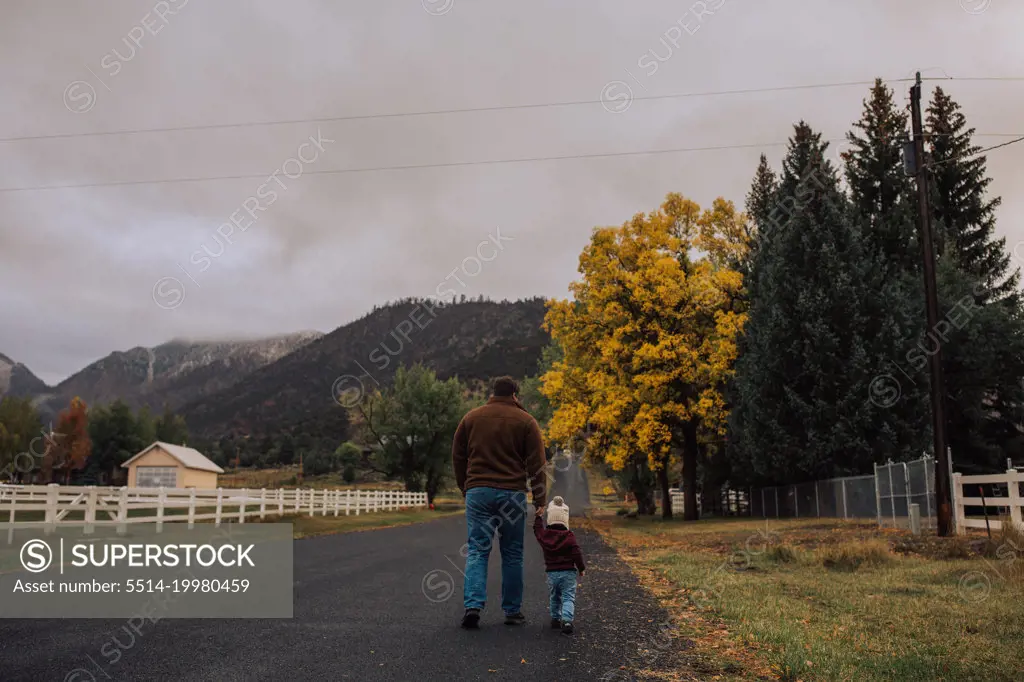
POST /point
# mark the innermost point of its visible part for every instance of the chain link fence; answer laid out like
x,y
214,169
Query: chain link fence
x,y
901,484
885,496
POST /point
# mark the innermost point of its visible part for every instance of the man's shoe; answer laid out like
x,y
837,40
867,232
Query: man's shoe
x,y
567,628
471,620
516,618
556,624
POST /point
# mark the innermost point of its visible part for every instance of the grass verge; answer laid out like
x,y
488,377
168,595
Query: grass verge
x,y
310,526
821,600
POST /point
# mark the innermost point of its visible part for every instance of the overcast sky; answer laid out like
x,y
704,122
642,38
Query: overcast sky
x,y
86,271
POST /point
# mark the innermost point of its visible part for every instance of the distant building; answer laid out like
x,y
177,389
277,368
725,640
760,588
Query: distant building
x,y
171,466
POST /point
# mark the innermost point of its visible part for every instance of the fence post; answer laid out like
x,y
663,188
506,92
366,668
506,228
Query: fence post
x,y
348,501
161,496
359,498
220,506
52,493
1013,490
192,508
298,499
241,505
263,503
90,510
843,485
892,497
14,507
878,497
927,489
122,511
958,503
907,488
337,501
280,501
312,501
324,510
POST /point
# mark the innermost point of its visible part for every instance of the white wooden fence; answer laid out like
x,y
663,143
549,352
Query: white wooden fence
x,y
1012,501
92,506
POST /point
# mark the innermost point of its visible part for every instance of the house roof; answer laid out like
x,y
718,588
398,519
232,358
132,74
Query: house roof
x,y
189,458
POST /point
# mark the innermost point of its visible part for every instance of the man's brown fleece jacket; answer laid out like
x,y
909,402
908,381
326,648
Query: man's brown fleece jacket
x,y
499,445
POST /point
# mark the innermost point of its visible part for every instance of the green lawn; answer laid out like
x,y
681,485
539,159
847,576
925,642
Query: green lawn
x,y
820,600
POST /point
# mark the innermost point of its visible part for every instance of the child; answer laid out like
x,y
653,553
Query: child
x,y
562,556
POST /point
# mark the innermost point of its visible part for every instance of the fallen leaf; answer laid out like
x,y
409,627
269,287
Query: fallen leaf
x,y
523,661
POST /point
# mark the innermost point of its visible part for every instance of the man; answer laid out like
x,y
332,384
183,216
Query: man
x,y
497,447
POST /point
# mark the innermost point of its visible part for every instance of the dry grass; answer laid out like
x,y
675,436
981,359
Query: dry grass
x,y
287,477
822,600
311,526
849,556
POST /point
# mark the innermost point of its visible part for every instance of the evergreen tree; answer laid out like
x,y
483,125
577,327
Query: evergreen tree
x,y
884,206
964,216
21,442
760,202
881,193
982,346
171,428
802,385
286,453
117,435
983,324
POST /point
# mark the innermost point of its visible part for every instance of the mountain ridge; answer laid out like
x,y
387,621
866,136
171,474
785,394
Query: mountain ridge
x,y
171,373
17,380
473,340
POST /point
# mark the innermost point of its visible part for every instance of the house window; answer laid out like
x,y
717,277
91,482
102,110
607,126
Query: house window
x,y
156,477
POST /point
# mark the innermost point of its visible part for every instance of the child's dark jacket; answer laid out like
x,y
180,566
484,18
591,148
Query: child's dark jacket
x,y
561,552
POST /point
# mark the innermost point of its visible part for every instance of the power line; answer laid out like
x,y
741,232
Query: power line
x,y
974,154
453,164
444,112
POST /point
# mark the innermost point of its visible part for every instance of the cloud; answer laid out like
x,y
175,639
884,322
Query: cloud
x,y
77,267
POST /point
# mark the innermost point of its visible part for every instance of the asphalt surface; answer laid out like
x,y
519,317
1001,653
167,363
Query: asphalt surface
x,y
375,605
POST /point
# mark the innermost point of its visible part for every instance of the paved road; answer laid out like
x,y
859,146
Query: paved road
x,y
377,605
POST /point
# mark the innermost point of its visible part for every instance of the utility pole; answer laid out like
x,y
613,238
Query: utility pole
x,y
944,512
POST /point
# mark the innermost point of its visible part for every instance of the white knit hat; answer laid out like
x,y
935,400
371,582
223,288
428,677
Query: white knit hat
x,y
558,512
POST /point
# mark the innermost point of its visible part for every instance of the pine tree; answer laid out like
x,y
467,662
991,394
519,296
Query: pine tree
x,y
802,386
964,217
759,204
881,193
983,325
884,206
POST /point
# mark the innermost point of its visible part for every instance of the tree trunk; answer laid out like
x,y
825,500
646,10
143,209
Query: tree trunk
x,y
666,498
690,453
645,503
644,495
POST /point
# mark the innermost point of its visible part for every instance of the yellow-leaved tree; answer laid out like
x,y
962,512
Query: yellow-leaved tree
x,y
649,339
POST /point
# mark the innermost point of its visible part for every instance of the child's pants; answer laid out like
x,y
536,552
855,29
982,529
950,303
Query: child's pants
x,y
562,589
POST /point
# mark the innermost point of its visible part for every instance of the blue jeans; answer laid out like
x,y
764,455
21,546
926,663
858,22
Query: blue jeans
x,y
489,510
562,589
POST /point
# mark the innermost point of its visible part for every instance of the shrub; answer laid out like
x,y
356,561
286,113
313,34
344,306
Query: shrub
x,y
349,474
849,556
